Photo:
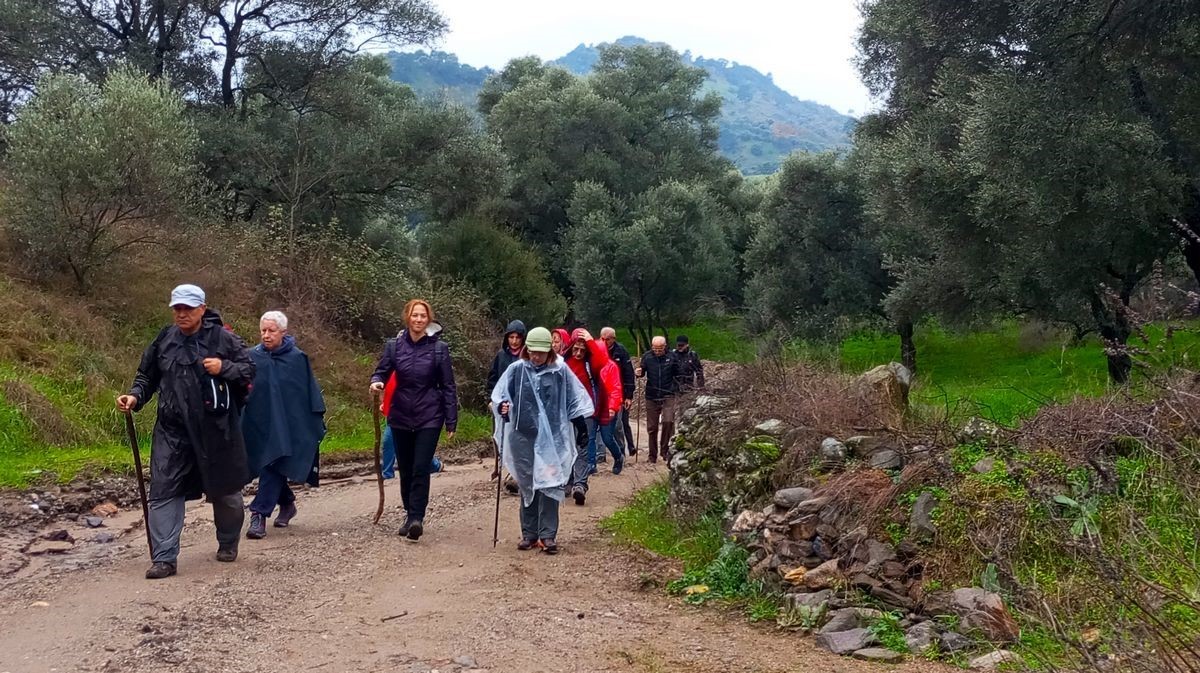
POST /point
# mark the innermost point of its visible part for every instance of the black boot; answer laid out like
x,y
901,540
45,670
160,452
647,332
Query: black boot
x,y
403,532
653,447
415,529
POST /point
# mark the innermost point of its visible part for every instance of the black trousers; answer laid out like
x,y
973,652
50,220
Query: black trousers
x,y
414,456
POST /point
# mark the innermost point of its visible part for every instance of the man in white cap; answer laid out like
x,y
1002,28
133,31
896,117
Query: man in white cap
x,y
202,373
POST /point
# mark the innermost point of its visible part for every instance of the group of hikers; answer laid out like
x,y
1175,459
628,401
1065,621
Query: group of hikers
x,y
228,413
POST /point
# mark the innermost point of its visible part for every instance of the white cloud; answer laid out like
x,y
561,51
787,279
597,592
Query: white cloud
x,y
807,45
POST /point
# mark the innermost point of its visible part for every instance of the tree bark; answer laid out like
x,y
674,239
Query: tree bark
x,y
908,348
1114,331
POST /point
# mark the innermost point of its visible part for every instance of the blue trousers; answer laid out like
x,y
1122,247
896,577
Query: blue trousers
x,y
273,490
606,435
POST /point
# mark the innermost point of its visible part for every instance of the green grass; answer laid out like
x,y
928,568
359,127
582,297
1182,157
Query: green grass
x,y
717,340
1000,374
715,569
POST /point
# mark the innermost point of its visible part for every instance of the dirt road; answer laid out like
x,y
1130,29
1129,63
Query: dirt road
x,y
333,593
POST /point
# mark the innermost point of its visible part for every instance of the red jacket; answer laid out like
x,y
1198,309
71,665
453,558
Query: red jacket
x,y
608,398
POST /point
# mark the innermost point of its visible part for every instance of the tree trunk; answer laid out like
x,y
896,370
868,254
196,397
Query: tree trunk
x,y
1114,331
908,348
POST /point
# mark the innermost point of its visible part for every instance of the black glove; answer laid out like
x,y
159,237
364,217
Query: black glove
x,y
581,432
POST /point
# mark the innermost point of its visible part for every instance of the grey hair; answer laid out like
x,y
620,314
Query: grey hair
x,y
277,317
607,331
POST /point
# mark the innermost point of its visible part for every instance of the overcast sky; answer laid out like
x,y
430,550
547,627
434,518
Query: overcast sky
x,y
807,45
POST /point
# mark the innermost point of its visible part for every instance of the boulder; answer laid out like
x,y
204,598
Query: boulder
x,y
984,465
803,529
992,660
862,446
921,637
833,451
845,642
842,620
747,521
788,498
773,427
879,655
885,390
823,576
983,611
977,430
954,642
920,523
886,460
813,599
792,551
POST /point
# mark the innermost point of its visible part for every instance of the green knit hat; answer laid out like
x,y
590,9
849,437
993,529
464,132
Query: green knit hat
x,y
538,340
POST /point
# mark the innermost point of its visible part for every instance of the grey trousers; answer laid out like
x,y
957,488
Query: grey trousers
x,y
166,523
580,471
539,521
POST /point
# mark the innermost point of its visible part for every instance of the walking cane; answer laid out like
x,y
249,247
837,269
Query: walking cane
x,y
499,479
137,466
378,459
637,441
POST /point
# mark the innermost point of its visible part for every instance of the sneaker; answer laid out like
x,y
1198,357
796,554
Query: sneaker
x,y
415,529
227,554
526,544
550,546
286,512
160,569
258,527
579,495
403,532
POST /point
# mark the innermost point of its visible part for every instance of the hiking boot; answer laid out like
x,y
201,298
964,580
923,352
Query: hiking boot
x,y
403,532
258,527
160,569
618,466
526,543
510,485
286,512
550,546
415,529
579,495
227,554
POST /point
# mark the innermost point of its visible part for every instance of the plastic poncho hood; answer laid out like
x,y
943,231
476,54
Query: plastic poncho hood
x,y
538,441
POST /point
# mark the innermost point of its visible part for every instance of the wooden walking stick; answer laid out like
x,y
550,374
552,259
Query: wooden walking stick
x,y
141,481
378,459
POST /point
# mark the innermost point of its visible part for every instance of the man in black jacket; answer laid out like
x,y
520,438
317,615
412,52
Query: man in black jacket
x,y
620,355
202,373
691,370
662,374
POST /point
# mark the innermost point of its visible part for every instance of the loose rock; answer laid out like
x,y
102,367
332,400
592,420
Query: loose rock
x,y
878,654
920,524
845,642
992,660
920,637
788,498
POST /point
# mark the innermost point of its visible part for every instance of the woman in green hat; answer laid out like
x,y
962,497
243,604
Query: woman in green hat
x,y
541,411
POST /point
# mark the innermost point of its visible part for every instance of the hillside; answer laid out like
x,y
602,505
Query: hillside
x,y
760,122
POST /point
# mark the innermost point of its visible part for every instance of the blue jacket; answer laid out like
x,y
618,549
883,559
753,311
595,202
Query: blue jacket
x,y
284,421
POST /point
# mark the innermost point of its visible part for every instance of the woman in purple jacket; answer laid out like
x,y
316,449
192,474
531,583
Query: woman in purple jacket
x,y
424,401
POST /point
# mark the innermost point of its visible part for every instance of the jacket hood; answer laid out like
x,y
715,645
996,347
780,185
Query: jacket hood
x,y
211,317
433,331
514,326
565,337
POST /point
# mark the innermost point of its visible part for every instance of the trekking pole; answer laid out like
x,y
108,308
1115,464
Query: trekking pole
x,y
378,459
137,466
499,478
637,441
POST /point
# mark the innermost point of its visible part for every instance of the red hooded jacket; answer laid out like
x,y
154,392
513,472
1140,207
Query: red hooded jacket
x,y
607,376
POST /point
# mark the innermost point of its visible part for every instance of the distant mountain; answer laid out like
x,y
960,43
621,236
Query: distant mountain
x,y
439,75
760,122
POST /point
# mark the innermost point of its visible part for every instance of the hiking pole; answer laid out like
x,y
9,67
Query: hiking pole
x,y
378,460
499,479
637,441
137,466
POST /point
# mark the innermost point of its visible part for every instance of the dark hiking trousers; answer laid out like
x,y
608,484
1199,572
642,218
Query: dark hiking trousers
x,y
414,458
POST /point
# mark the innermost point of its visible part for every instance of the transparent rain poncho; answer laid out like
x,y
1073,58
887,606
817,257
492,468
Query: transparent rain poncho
x,y
538,441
